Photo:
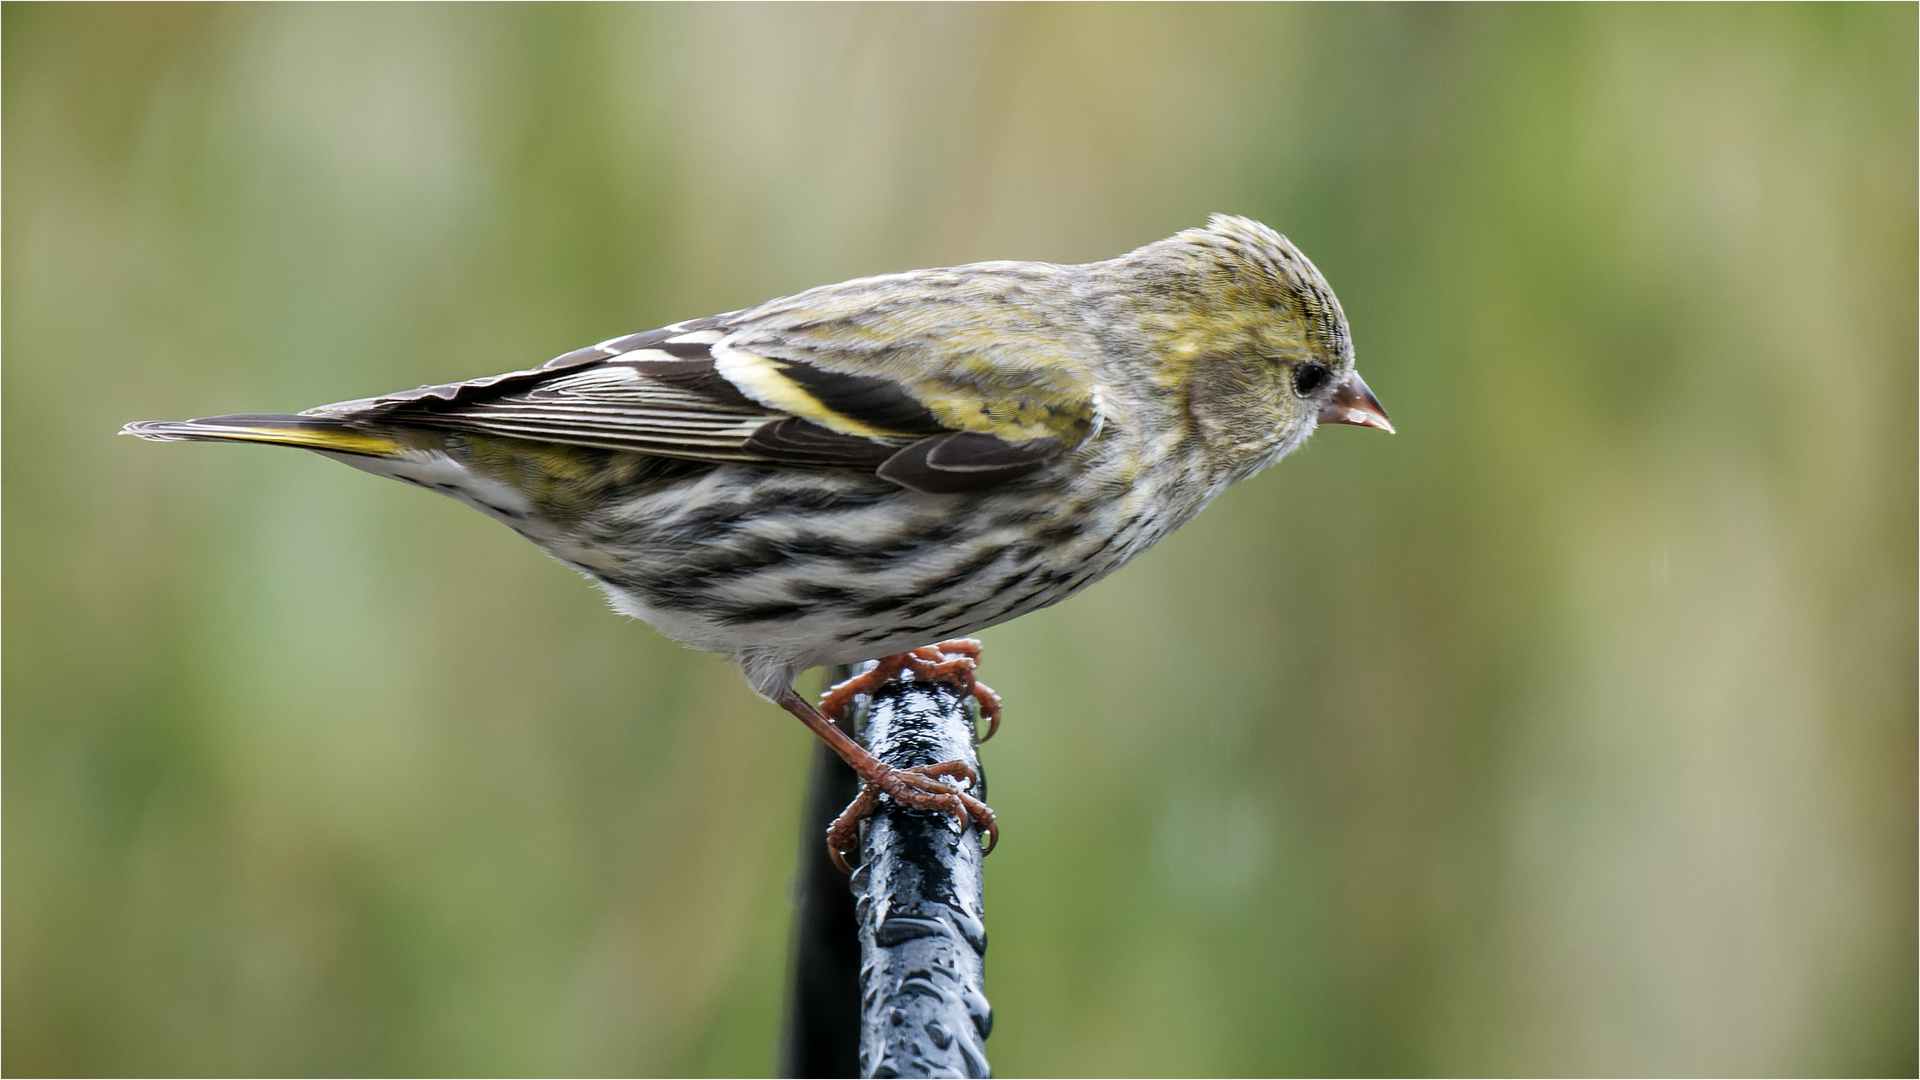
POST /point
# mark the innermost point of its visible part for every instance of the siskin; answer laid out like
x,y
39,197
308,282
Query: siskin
x,y
862,468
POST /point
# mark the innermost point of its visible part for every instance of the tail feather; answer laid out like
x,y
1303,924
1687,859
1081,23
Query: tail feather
x,y
307,432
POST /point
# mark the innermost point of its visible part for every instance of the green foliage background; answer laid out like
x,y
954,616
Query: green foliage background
x,y
1570,731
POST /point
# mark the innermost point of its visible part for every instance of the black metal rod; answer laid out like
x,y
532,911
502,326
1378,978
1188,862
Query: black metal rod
x,y
919,898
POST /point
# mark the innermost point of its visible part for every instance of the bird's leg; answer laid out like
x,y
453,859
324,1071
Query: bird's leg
x,y
834,702
924,787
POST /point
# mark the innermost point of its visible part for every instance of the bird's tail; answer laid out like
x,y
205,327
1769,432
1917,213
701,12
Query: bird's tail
x,y
307,432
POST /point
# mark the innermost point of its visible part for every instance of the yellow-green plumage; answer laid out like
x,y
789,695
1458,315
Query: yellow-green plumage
x,y
994,347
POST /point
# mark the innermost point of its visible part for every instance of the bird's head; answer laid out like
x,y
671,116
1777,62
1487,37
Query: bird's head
x,y
1243,327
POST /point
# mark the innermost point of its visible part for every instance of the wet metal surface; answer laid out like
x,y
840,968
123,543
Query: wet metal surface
x,y
918,897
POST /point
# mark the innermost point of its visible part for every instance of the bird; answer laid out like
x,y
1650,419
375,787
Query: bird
x,y
884,466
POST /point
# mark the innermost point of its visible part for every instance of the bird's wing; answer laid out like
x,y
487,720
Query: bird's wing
x,y
998,349
688,391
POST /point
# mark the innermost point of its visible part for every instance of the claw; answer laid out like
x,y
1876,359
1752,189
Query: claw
x,y
922,787
952,662
955,662
844,834
989,707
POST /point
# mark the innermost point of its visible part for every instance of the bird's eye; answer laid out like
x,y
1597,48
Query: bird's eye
x,y
1309,377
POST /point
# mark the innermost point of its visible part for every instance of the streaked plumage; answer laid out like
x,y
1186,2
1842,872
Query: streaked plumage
x,y
863,468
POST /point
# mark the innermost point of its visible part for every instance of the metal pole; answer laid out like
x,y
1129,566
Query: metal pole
x,y
919,1006
919,898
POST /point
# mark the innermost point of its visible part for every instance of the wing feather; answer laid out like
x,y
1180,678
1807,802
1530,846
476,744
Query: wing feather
x,y
686,391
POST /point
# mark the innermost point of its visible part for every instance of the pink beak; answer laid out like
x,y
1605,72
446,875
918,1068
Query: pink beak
x,y
1353,403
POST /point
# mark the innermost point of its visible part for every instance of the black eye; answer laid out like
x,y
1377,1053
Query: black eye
x,y
1309,377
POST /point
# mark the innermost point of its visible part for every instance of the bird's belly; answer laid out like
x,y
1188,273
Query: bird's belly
x,y
832,567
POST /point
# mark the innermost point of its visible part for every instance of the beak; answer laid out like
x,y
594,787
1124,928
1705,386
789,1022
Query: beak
x,y
1353,403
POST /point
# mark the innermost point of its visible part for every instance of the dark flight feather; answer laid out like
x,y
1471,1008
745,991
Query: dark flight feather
x,y
966,461
647,394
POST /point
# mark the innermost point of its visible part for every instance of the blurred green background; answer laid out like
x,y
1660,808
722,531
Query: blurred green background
x,y
1569,731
